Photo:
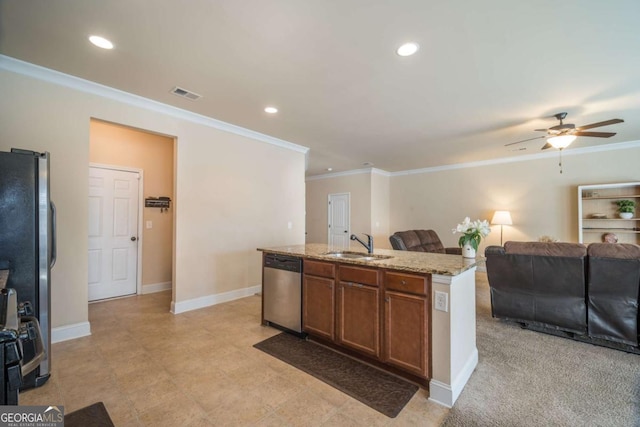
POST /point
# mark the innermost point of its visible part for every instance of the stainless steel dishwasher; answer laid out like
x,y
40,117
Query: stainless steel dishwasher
x,y
282,291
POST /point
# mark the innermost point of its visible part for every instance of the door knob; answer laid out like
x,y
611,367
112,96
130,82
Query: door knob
x,y
133,238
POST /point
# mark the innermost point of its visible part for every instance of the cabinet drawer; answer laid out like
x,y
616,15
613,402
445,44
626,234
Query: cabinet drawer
x,y
365,276
407,283
319,268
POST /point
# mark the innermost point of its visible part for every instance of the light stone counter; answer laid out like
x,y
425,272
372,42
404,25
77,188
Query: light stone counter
x,y
417,262
454,355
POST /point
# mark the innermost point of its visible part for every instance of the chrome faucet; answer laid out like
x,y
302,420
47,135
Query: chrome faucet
x,y
368,245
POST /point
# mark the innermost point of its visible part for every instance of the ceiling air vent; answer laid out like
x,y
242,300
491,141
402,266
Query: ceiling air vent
x,y
185,93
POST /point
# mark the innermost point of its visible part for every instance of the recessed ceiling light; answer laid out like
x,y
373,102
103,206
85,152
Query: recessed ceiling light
x,y
408,49
271,110
329,169
101,42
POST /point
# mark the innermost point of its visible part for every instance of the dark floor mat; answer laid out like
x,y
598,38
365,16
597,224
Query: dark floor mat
x,y
95,415
381,391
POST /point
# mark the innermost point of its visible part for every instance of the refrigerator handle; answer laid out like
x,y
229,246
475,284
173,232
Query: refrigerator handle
x,y
54,241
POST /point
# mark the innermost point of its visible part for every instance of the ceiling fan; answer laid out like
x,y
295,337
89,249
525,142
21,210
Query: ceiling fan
x,y
560,136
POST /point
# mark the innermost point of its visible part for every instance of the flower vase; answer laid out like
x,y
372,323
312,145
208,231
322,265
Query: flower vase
x,y
468,251
626,215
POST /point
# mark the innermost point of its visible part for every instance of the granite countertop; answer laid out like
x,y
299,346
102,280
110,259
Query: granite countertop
x,y
417,262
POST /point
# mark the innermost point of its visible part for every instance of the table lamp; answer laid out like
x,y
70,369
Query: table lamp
x,y
501,218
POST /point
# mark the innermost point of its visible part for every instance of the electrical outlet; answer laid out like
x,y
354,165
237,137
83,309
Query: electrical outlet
x,y
442,301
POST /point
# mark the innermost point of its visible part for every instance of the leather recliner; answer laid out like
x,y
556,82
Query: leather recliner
x,y
539,283
590,294
420,241
613,289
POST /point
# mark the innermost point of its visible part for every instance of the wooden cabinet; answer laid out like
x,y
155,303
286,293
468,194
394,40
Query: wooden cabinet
x,y
406,322
381,314
318,301
598,217
358,310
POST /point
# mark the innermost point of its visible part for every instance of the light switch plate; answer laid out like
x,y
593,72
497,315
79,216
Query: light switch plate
x,y
442,301
149,224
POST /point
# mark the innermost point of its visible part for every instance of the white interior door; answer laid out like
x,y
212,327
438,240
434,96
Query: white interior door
x,y
113,233
339,220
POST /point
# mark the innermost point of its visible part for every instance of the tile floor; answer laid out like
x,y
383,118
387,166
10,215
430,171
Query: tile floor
x,y
153,368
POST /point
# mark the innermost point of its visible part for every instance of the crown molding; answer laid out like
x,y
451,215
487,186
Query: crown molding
x,y
367,171
524,158
55,77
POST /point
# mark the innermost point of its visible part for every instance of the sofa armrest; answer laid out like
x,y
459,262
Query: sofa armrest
x,y
397,243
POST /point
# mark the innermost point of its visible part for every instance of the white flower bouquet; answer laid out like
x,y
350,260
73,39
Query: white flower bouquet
x,y
472,232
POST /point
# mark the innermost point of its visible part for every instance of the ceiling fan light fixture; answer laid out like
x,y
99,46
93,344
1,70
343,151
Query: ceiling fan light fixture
x,y
561,141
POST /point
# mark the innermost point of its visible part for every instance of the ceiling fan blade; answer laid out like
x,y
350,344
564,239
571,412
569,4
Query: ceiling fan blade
x,y
540,130
597,125
547,145
596,134
524,140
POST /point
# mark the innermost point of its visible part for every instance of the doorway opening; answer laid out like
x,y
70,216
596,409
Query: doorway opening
x,y
117,149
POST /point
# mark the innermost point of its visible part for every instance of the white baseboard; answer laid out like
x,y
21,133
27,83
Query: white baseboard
x,y
209,300
446,394
70,332
156,287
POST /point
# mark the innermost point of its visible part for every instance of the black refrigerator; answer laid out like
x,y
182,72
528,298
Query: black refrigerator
x,y
27,242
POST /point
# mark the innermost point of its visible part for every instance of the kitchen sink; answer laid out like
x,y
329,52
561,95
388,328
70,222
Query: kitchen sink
x,y
360,256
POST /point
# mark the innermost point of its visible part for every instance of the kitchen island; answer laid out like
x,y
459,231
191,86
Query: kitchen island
x,y
412,313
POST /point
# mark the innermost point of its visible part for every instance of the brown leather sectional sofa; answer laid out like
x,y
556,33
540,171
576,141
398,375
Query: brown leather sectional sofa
x,y
586,293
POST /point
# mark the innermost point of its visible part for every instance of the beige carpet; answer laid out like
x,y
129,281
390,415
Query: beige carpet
x,y
527,378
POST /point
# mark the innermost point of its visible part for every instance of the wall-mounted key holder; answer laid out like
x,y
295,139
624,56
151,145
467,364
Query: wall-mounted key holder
x,y
164,203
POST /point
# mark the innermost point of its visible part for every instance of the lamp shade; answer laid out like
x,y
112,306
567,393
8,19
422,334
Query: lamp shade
x,y
501,218
561,141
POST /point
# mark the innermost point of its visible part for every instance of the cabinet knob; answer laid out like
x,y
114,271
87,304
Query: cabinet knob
x,y
404,282
386,299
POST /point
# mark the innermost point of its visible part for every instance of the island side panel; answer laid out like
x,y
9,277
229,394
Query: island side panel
x,y
454,352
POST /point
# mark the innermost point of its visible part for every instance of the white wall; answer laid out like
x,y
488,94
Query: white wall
x,y
233,193
380,209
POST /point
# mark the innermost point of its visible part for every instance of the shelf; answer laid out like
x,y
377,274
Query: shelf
x,y
610,219
634,196
601,199
610,230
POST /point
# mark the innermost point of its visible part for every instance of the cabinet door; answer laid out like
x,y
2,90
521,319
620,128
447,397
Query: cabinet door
x,y
359,318
406,343
318,315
